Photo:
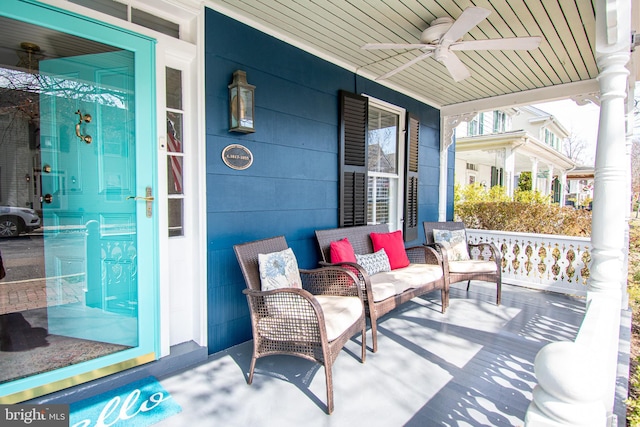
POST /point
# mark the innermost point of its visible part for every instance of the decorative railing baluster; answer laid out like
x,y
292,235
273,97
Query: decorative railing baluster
x,y
541,261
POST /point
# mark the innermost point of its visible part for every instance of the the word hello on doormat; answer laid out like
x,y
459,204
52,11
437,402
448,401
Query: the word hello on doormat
x,y
139,404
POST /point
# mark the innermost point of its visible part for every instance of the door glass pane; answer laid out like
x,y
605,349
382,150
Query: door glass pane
x,y
175,217
68,231
174,88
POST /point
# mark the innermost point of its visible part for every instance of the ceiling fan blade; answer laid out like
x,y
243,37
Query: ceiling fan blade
x,y
469,18
423,46
405,65
456,68
513,43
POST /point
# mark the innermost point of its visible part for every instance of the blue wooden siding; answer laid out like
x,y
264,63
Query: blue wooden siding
x,y
292,187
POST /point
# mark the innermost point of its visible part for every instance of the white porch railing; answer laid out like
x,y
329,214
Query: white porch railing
x,y
541,261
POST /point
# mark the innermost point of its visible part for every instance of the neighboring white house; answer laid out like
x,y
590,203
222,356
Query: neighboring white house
x,y
580,188
495,147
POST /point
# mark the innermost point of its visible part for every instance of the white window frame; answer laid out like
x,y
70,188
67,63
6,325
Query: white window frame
x,y
396,208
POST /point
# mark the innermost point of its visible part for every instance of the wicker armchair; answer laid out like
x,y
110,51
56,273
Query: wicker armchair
x,y
488,271
311,322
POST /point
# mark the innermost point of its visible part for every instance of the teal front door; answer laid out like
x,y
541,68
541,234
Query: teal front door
x,y
79,164
88,174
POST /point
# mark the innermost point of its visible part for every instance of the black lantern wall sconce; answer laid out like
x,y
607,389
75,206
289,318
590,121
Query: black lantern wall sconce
x,y
241,104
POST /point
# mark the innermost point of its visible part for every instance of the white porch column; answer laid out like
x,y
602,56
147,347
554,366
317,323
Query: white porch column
x,y
610,204
447,137
550,181
534,174
555,399
509,170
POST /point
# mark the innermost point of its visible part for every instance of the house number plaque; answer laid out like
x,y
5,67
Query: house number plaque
x,y
237,156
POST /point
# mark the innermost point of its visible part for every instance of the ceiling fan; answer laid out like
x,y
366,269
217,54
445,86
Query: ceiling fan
x,y
444,36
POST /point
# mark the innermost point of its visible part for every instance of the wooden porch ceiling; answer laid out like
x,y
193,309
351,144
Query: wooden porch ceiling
x,y
337,29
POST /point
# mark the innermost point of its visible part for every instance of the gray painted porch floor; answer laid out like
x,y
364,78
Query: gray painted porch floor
x,y
471,366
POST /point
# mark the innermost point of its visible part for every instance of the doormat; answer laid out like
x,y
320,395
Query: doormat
x,y
139,404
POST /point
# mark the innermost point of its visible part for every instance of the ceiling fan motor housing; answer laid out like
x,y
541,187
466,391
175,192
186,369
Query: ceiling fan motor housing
x,y
434,32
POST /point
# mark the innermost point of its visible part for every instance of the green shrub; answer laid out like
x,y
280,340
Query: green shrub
x,y
529,212
524,181
530,196
525,217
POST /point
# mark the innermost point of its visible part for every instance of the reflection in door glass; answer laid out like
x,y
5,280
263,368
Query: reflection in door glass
x,y
67,214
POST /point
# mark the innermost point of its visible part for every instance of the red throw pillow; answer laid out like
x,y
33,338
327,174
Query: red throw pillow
x,y
342,251
393,245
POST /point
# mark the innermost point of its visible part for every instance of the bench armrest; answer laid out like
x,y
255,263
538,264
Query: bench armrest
x,y
424,255
331,280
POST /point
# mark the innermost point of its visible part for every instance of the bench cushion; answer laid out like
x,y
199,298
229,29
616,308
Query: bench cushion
x,y
472,266
394,282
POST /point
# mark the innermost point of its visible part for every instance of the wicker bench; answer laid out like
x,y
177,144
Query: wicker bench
x,y
385,291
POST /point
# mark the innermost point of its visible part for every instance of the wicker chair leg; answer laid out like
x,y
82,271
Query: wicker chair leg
x,y
374,334
468,284
364,344
499,292
327,373
443,297
251,369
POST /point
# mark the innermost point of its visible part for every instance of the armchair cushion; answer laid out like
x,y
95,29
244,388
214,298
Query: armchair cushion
x,y
279,270
339,314
374,263
454,241
393,244
472,266
342,251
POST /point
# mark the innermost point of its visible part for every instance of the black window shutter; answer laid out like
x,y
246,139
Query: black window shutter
x,y
412,144
354,110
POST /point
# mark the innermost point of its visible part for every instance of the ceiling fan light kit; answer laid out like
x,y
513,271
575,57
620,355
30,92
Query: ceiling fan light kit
x,y
444,36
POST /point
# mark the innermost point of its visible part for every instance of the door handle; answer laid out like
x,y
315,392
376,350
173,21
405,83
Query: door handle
x,y
148,197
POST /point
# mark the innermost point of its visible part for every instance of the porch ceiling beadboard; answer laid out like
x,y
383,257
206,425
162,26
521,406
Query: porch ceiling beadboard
x,y
337,29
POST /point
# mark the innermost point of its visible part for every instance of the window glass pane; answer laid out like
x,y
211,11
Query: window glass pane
x,y
175,217
174,88
110,7
473,127
174,132
383,141
381,193
174,174
153,22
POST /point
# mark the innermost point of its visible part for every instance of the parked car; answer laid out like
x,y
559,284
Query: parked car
x,y
14,221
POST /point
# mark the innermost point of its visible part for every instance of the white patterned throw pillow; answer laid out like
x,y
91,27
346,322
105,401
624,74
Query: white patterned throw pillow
x,y
376,262
456,243
279,270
